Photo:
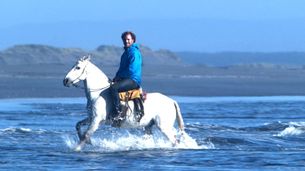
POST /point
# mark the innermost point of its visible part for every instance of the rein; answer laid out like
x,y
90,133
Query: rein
x,y
91,90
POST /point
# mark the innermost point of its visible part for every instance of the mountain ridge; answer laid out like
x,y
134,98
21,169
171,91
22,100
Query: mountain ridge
x,y
109,55
104,54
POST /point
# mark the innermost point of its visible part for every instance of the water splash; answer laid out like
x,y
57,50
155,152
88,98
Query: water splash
x,y
127,142
70,141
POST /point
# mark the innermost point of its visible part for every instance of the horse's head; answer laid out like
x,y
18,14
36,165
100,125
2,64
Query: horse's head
x,y
78,72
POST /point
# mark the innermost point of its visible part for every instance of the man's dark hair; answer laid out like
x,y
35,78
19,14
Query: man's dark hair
x,y
126,33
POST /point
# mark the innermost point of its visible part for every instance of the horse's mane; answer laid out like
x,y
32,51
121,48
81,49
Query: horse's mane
x,y
98,70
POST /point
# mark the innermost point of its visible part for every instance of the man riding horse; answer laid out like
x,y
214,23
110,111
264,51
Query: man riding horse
x,y
103,97
160,110
128,77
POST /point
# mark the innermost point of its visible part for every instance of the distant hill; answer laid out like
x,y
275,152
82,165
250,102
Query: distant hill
x,y
104,54
243,58
108,55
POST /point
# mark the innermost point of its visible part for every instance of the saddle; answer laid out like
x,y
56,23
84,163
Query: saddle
x,y
130,95
138,97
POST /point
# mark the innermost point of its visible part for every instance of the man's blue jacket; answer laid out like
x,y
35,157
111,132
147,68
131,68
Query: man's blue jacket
x,y
131,64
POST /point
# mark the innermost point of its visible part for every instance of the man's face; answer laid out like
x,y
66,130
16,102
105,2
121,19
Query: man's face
x,y
128,41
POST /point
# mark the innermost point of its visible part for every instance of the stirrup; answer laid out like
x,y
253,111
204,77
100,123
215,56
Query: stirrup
x,y
119,118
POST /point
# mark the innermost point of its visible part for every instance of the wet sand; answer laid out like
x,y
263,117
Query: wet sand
x,y
189,81
53,87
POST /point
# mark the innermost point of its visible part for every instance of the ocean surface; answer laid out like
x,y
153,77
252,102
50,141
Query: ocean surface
x,y
223,133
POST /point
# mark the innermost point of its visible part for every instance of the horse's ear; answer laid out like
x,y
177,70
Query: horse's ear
x,y
88,57
85,57
82,58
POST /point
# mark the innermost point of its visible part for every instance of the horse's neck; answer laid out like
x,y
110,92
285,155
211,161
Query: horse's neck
x,y
96,82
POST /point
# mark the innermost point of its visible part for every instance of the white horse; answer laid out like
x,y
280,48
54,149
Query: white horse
x,y
159,110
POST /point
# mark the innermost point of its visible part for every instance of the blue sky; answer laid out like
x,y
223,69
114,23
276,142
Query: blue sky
x,y
192,25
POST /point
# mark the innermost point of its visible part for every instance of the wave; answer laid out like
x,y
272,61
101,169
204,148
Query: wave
x,y
293,129
290,131
223,137
21,130
274,126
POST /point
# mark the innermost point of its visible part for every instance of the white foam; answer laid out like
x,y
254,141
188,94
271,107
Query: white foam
x,y
11,129
291,131
299,124
136,142
22,130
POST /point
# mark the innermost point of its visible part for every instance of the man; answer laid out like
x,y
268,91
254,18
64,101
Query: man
x,y
128,76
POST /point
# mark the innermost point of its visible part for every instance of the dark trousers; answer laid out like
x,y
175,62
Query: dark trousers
x,y
121,86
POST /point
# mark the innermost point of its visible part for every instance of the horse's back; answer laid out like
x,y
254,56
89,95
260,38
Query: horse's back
x,y
159,103
158,97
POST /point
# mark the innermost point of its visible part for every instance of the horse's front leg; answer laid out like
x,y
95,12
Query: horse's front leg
x,y
79,126
88,133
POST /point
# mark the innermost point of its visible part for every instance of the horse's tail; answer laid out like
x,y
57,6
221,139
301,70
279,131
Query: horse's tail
x,y
179,117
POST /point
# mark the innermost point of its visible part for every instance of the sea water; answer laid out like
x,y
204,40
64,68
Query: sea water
x,y
223,133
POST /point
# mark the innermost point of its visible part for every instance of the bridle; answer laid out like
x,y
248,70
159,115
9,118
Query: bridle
x,y
78,78
90,90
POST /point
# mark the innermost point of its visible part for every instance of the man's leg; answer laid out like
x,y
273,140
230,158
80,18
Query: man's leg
x,y
121,86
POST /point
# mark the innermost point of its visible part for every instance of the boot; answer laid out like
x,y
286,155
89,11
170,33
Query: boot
x,y
119,117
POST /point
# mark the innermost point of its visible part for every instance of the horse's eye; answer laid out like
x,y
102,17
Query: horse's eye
x,y
77,68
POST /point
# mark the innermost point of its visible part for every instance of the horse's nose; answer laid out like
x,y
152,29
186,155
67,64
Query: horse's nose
x,y
65,82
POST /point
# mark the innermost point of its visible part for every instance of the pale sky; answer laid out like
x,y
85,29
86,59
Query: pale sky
x,y
24,11
25,14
